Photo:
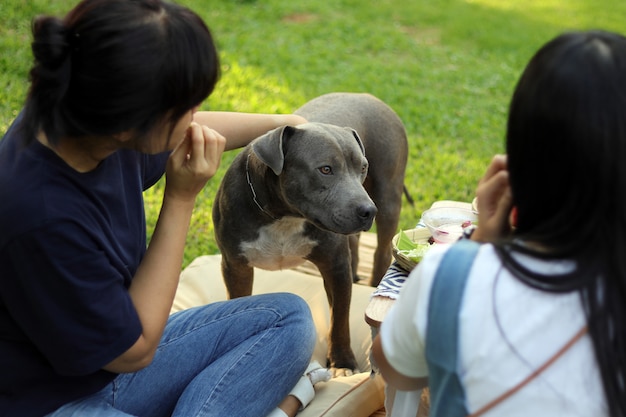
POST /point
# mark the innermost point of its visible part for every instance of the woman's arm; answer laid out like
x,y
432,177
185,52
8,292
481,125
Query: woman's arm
x,y
391,376
241,128
152,291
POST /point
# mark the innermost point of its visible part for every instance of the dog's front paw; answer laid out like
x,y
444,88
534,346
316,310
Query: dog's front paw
x,y
343,371
345,367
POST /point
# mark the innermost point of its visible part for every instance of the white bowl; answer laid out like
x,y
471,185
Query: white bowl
x,y
446,224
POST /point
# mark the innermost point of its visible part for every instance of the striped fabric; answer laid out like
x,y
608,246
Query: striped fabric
x,y
392,282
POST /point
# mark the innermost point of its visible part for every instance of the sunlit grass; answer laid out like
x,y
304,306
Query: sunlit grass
x,y
447,67
570,14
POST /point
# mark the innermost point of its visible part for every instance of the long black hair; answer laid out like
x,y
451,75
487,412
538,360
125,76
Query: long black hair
x,y
566,146
112,66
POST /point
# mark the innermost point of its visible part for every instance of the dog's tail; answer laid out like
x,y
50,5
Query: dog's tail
x,y
408,196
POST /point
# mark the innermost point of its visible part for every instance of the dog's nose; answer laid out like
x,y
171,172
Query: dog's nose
x,y
367,211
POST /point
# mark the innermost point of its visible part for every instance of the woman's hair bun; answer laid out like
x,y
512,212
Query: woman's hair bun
x,y
50,75
51,44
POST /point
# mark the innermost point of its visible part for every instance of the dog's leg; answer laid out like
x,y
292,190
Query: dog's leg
x,y
354,256
238,277
337,277
382,255
387,221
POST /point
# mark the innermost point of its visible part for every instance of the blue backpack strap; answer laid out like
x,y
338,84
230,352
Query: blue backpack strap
x,y
447,396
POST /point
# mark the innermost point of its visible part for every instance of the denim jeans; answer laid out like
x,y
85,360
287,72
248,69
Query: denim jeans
x,y
234,358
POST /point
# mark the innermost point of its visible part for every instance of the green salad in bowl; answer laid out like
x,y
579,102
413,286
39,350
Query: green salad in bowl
x,y
413,250
409,246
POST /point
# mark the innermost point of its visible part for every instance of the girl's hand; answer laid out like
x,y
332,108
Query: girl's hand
x,y
494,202
193,162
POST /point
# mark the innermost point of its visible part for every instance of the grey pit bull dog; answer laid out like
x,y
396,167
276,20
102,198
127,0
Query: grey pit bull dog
x,y
306,192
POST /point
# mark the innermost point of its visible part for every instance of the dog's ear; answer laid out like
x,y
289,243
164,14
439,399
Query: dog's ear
x,y
358,139
269,148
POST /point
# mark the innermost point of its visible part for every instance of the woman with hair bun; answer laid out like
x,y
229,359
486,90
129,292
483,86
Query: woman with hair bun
x,y
84,302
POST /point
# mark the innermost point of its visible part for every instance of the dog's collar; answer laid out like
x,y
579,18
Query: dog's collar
x,y
254,192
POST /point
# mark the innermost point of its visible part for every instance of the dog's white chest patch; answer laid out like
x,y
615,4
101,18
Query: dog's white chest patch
x,y
280,245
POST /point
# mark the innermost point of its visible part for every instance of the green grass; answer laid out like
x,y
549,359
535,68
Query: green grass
x,y
447,67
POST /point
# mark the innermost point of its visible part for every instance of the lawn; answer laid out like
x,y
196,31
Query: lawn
x,y
447,67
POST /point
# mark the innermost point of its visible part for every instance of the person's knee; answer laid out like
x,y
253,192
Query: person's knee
x,y
299,315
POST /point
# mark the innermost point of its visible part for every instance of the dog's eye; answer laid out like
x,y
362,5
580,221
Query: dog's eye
x,y
326,170
364,169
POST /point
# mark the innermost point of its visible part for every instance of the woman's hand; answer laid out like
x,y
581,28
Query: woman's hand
x,y
494,202
193,162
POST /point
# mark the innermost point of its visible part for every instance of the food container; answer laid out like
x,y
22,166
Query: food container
x,y
446,224
420,235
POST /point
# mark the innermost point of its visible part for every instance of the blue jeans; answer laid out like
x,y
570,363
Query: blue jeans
x,y
232,358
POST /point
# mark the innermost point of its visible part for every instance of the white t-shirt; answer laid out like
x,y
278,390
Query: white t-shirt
x,y
533,326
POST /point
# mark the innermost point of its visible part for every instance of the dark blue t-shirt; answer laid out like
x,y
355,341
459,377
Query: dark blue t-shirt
x,y
70,244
